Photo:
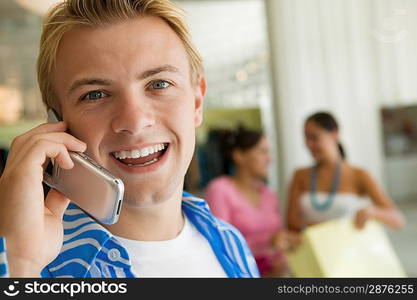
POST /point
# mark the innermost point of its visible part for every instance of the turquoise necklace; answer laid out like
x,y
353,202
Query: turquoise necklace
x,y
335,186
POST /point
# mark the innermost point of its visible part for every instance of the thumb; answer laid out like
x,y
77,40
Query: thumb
x,y
360,222
56,202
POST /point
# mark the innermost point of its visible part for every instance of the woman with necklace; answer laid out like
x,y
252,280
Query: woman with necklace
x,y
245,201
333,188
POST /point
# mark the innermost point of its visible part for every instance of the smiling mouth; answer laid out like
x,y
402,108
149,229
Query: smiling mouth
x,y
141,157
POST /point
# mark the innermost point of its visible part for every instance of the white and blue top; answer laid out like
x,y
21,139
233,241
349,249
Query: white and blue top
x,y
89,250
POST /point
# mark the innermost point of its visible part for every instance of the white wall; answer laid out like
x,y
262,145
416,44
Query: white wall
x,y
349,57
402,176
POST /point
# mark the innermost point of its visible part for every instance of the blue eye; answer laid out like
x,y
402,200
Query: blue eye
x,y
94,95
160,84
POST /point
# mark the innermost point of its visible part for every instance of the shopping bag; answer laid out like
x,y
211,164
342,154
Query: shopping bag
x,y
336,248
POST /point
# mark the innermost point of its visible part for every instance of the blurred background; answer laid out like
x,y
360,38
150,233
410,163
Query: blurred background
x,y
269,64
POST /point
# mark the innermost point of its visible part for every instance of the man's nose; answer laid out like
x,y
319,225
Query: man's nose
x,y
132,115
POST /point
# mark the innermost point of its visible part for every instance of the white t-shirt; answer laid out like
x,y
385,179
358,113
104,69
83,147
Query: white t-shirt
x,y
187,255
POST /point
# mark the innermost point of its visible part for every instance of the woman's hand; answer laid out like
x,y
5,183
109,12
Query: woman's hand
x,y
387,215
286,240
363,215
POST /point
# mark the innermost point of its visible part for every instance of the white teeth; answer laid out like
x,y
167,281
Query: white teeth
x,y
123,154
144,152
144,164
137,153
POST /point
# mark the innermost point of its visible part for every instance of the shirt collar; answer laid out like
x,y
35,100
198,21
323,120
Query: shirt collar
x,y
84,238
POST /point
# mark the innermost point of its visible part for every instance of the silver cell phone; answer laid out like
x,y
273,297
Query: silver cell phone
x,y
89,185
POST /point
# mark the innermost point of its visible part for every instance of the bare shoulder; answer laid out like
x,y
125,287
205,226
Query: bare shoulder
x,y
360,173
301,177
298,184
364,179
301,173
304,171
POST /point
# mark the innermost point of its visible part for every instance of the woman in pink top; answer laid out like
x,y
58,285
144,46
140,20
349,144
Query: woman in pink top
x,y
246,202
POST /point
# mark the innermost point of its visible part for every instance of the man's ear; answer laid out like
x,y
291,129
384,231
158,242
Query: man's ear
x,y
200,92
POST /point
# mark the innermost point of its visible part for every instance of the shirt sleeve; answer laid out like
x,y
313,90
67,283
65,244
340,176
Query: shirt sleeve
x,y
217,199
242,253
3,259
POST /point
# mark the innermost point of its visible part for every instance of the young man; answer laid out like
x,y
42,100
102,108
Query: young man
x,y
126,79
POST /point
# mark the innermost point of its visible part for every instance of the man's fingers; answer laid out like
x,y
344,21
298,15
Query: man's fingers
x,y
70,142
49,127
25,143
52,145
40,129
57,203
44,149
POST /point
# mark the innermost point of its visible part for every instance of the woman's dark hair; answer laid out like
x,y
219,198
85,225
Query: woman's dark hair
x,y
240,138
326,121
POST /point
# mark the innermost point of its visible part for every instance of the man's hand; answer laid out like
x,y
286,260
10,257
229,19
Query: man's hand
x,y
31,224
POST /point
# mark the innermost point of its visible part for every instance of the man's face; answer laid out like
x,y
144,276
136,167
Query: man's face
x,y
125,90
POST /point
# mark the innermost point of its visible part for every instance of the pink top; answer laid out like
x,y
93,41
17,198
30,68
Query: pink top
x,y
257,224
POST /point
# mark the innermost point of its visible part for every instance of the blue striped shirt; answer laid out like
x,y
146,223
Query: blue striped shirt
x,y
89,250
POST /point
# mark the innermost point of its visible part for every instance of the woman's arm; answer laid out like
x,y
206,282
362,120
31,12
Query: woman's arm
x,y
383,209
294,221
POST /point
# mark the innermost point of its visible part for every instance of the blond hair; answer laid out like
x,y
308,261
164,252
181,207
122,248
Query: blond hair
x,y
96,13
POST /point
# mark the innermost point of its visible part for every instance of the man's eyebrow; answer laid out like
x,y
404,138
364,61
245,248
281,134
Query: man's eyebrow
x,y
100,81
154,71
88,81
